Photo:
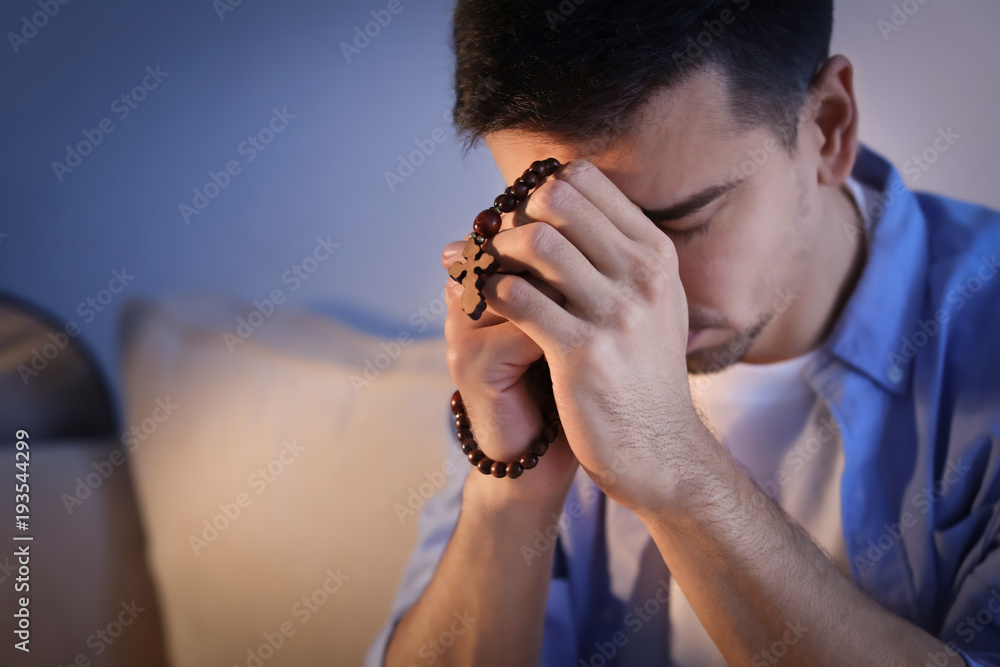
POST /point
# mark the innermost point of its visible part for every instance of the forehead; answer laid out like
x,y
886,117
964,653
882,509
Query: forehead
x,y
682,141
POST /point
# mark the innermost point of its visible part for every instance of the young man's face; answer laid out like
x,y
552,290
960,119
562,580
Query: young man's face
x,y
745,255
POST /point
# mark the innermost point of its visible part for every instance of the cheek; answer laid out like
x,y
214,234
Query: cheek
x,y
723,270
743,259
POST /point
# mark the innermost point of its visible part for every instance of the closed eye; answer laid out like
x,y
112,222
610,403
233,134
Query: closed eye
x,y
685,235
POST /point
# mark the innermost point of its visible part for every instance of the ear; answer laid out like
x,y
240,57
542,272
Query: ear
x,y
830,117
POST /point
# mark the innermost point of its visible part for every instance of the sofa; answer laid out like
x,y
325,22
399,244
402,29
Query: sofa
x,y
256,502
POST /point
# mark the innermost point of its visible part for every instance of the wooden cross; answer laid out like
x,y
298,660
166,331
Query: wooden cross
x,y
471,274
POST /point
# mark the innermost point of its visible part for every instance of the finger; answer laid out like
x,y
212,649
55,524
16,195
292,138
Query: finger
x,y
452,253
543,287
484,356
534,313
457,319
598,189
539,249
489,317
576,218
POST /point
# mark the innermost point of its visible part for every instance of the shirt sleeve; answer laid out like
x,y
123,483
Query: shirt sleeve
x,y
972,628
437,521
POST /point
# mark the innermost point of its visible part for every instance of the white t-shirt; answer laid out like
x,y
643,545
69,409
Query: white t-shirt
x,y
783,433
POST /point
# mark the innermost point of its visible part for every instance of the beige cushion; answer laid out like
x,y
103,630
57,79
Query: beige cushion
x,y
325,516
87,559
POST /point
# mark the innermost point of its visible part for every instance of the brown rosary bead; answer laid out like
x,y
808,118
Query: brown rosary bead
x,y
506,203
529,178
487,223
539,447
486,226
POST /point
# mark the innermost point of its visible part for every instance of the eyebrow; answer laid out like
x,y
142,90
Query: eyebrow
x,y
691,204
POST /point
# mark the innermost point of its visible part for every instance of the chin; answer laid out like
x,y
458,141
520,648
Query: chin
x,y
714,358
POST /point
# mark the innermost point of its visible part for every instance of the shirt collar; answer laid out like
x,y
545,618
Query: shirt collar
x,y
886,301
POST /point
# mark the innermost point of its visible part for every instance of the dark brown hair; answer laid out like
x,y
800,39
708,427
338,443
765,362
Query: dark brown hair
x,y
578,70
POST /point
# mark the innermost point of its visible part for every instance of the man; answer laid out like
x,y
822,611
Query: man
x,y
775,366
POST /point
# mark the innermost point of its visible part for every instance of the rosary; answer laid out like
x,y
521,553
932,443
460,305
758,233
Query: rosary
x,y
471,274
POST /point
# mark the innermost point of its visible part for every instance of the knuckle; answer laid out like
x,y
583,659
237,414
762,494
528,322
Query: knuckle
x,y
549,196
509,289
664,253
628,314
651,275
575,168
579,340
541,239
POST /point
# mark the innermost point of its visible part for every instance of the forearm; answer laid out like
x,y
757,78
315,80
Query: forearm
x,y
484,576
758,583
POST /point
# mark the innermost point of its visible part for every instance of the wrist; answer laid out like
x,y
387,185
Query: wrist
x,y
486,494
697,488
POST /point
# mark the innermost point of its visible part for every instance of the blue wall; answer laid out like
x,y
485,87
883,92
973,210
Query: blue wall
x,y
324,174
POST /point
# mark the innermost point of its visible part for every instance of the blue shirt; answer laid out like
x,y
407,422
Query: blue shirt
x,y
911,374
